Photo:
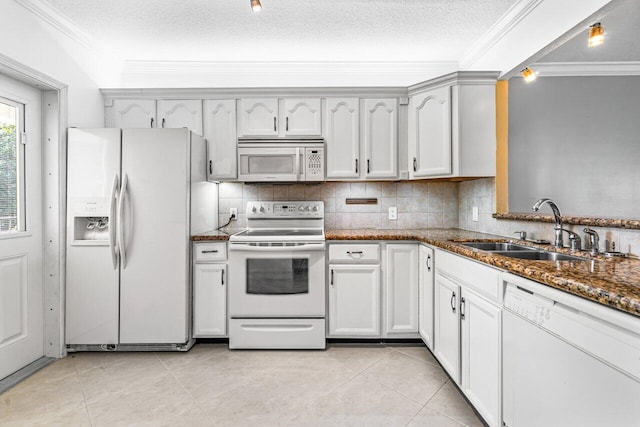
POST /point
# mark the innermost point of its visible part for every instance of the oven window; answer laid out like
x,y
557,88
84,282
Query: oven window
x,y
278,276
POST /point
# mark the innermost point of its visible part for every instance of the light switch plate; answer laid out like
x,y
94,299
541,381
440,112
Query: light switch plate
x,y
393,213
474,213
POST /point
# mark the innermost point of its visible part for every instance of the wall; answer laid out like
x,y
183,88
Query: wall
x,y
481,193
420,204
35,43
575,140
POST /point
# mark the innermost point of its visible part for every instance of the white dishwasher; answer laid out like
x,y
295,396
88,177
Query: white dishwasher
x,y
567,361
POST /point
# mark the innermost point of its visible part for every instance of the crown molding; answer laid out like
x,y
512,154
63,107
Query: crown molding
x,y
586,69
278,67
507,22
49,14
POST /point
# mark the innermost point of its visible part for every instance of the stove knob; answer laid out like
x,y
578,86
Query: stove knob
x,y
315,209
261,209
254,210
301,208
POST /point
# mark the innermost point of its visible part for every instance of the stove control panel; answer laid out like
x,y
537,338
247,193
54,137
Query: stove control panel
x,y
301,209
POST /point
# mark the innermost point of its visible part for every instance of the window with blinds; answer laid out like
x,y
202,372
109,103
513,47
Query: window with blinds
x,y
11,167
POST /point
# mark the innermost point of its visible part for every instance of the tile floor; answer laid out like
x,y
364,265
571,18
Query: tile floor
x,y
210,385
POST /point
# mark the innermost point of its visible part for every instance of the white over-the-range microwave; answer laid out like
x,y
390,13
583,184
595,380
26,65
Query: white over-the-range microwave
x,y
278,160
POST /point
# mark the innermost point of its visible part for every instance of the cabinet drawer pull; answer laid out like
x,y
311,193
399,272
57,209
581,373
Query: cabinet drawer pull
x,y
211,251
428,262
274,124
354,252
356,165
453,302
462,308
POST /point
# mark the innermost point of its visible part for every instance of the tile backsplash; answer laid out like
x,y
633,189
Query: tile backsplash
x,y
481,193
420,204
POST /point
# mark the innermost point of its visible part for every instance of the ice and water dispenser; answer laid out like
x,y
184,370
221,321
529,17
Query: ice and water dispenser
x,y
90,221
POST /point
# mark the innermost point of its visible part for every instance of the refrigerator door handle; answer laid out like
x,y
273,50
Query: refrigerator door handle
x,y
113,222
121,241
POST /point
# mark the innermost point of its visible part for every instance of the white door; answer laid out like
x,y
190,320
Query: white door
x,y
380,137
154,255
134,113
481,355
401,296
430,133
425,297
180,113
354,300
21,246
301,117
210,300
343,137
220,133
447,326
258,116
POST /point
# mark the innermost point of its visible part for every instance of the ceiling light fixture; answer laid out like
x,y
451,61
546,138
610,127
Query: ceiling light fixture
x,y
596,35
256,6
528,75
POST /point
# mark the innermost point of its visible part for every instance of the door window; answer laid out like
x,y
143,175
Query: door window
x,y
12,209
278,276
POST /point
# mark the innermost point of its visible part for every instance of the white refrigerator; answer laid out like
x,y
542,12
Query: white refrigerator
x,y
134,197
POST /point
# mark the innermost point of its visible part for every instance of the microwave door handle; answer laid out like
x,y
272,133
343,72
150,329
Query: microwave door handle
x,y
298,165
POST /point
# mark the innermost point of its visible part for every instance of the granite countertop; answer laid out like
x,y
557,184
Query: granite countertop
x,y
215,235
614,282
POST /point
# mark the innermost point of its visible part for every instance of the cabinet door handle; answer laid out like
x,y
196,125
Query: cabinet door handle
x,y
274,125
356,165
151,122
331,282
286,124
368,166
428,262
222,281
415,164
453,302
462,308
163,122
212,251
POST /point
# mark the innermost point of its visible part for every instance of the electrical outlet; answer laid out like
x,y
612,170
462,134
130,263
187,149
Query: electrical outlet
x,y
233,212
474,213
393,213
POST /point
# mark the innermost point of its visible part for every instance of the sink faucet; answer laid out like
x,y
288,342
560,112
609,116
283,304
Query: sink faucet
x,y
556,213
594,240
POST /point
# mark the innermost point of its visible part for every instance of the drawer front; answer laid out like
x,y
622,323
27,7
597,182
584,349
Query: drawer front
x,y
366,253
210,252
472,274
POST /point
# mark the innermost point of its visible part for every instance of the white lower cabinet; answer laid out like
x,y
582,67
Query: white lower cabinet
x,y
468,330
354,300
401,289
425,295
210,281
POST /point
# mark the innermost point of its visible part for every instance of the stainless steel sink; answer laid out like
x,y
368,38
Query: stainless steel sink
x,y
540,255
496,246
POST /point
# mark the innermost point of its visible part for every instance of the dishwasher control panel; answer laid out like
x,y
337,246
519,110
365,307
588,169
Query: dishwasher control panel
x,y
524,303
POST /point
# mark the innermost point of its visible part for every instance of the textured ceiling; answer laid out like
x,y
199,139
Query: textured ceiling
x,y
285,30
622,41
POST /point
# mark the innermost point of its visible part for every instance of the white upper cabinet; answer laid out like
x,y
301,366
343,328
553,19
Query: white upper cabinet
x,y
180,113
430,133
258,116
133,113
301,117
149,113
380,138
220,133
342,134
279,117
452,126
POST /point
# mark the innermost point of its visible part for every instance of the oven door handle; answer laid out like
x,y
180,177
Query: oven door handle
x,y
300,248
